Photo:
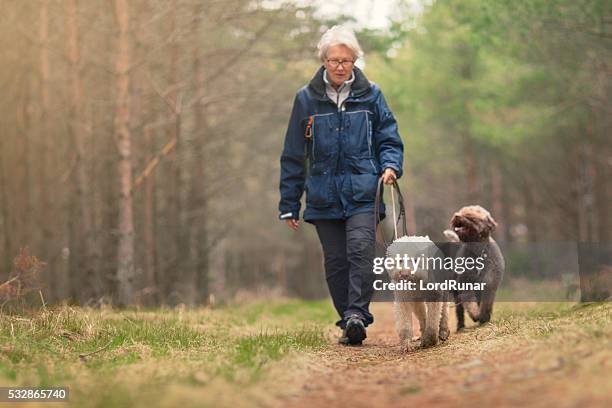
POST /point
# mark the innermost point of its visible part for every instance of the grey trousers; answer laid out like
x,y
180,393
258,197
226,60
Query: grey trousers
x,y
348,249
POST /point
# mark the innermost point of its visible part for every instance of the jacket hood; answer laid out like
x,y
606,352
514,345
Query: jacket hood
x,y
359,87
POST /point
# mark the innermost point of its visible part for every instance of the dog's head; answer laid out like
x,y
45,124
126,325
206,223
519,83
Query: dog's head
x,y
411,248
473,224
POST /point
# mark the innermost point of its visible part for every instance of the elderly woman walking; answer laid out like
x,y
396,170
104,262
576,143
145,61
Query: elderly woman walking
x,y
341,139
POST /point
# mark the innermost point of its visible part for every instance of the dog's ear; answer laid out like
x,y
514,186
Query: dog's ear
x,y
486,223
490,223
454,219
451,235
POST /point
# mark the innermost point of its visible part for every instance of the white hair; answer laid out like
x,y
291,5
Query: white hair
x,y
339,35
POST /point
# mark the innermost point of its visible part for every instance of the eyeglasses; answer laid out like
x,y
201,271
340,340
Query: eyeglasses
x,y
334,63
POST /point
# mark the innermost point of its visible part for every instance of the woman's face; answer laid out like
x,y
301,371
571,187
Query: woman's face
x,y
339,64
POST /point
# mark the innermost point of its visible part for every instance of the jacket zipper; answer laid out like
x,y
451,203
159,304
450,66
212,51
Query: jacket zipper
x,y
369,130
314,139
369,134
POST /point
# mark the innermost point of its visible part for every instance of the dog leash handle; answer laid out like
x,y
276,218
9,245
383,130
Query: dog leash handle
x,y
396,217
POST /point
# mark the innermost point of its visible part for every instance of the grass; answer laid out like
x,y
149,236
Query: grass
x,y
554,329
520,289
118,355
236,356
257,350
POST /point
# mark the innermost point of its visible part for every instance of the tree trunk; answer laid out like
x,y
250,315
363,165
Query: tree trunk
x,y
59,283
470,165
125,250
602,196
83,252
28,183
5,266
149,221
198,202
498,201
179,276
589,179
531,209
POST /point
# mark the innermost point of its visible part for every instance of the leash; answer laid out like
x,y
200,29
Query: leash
x,y
393,205
396,217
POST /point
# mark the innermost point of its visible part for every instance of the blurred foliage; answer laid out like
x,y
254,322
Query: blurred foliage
x,y
521,87
503,104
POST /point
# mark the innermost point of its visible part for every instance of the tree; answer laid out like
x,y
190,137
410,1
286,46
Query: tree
x,y
125,251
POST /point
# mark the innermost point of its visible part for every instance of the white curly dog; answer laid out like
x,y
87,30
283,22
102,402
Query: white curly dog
x,y
430,307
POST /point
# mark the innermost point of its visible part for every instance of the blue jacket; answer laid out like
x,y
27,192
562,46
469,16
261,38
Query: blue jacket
x,y
337,155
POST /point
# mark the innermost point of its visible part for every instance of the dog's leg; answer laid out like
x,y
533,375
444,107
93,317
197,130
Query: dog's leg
x,y
460,312
486,304
420,310
430,336
473,310
444,329
403,321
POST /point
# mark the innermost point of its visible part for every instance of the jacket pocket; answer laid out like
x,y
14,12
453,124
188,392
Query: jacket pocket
x,y
363,165
364,187
318,191
324,136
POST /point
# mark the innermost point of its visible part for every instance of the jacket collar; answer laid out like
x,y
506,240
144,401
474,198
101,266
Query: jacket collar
x,y
360,86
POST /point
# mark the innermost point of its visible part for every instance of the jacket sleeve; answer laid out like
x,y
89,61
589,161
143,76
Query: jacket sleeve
x,y
387,140
292,164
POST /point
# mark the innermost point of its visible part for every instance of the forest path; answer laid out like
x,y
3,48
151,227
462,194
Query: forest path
x,y
511,362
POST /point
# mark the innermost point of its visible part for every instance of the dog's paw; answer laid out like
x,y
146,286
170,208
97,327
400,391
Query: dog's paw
x,y
408,346
444,333
405,335
484,319
429,339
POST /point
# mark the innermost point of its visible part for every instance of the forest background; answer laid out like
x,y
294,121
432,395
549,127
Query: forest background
x,y
140,145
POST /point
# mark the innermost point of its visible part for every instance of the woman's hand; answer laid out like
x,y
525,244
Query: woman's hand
x,y
389,176
293,224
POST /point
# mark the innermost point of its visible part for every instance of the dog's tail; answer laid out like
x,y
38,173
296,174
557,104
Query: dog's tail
x,y
451,235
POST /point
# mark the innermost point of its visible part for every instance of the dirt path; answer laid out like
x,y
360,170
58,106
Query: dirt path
x,y
499,365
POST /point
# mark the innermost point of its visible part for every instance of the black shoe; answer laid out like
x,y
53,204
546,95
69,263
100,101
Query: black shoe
x,y
355,331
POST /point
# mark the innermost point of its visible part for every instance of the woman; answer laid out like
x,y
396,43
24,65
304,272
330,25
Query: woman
x,y
341,139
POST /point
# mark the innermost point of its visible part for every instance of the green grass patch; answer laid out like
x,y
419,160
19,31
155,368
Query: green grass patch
x,y
290,312
89,350
252,351
67,333
546,319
